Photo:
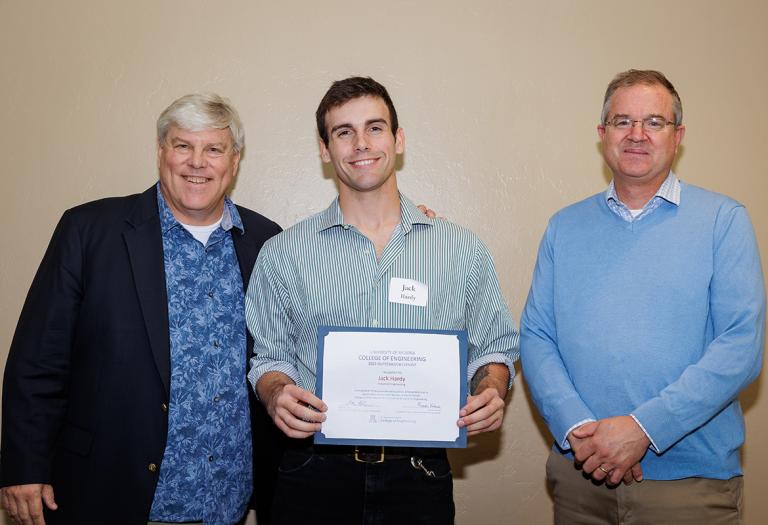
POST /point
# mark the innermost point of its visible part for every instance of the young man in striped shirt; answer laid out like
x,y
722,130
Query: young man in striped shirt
x,y
334,269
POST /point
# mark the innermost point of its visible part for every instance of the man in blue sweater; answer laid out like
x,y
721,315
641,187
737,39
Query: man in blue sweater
x,y
644,322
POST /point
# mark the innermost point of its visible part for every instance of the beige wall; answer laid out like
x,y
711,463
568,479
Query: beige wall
x,y
499,100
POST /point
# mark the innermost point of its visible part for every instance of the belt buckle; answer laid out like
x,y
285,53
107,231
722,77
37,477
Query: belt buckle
x,y
360,459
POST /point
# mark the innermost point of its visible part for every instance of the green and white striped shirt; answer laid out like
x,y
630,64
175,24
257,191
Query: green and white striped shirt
x,y
323,272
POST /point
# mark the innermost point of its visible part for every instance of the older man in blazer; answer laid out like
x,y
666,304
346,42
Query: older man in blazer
x,y
125,398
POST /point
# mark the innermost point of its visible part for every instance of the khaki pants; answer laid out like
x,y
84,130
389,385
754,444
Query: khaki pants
x,y
695,501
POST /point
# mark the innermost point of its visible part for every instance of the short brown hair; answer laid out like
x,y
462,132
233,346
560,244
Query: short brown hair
x,y
343,91
648,77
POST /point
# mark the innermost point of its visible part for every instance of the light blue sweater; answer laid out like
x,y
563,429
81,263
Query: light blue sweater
x,y
662,318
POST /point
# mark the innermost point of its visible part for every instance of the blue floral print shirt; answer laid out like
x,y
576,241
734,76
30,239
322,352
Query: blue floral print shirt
x,y
206,471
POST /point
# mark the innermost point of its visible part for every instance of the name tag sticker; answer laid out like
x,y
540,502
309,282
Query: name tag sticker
x,y
408,291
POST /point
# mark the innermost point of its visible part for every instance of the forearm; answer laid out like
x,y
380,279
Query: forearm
x,y
732,359
484,410
552,390
38,368
295,411
31,421
269,385
492,375
549,382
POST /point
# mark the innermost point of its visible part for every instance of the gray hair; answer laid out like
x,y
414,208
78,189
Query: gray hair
x,y
646,77
201,111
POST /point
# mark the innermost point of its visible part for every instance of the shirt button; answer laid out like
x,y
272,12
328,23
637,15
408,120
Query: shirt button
x,y
375,323
164,407
366,252
210,458
216,344
345,226
210,293
152,467
216,399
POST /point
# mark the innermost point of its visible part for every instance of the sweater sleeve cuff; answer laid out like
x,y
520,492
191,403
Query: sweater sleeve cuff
x,y
564,444
563,417
639,424
659,424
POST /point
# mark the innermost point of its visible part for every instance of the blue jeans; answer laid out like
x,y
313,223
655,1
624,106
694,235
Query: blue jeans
x,y
327,484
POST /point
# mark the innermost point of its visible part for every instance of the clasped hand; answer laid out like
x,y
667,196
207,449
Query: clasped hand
x,y
610,449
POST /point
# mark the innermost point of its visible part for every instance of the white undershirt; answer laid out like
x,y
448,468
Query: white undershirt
x,y
635,213
202,233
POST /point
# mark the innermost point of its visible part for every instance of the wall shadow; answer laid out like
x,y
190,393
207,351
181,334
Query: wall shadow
x,y
544,434
748,399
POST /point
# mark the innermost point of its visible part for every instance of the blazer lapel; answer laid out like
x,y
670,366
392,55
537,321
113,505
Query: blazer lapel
x,y
145,250
246,251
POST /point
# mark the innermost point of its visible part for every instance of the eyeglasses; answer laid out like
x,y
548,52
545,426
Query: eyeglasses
x,y
648,124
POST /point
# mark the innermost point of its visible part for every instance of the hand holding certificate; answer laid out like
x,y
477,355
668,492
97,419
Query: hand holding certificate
x,y
392,387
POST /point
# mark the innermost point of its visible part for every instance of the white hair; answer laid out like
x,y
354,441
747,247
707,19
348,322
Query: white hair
x,y
201,111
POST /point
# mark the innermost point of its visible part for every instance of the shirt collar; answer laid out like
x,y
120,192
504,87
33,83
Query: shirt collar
x,y
409,215
230,218
669,191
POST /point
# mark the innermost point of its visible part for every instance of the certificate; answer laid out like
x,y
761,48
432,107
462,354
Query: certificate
x,y
392,387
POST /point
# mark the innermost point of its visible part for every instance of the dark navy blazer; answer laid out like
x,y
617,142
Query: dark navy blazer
x,y
87,381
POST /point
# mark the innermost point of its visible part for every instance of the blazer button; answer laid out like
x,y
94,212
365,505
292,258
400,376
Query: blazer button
x,y
152,467
164,407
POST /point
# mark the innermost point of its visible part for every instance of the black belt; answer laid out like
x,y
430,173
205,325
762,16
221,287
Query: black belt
x,y
373,454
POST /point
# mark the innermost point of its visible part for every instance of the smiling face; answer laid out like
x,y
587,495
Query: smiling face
x,y
361,145
196,171
635,154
